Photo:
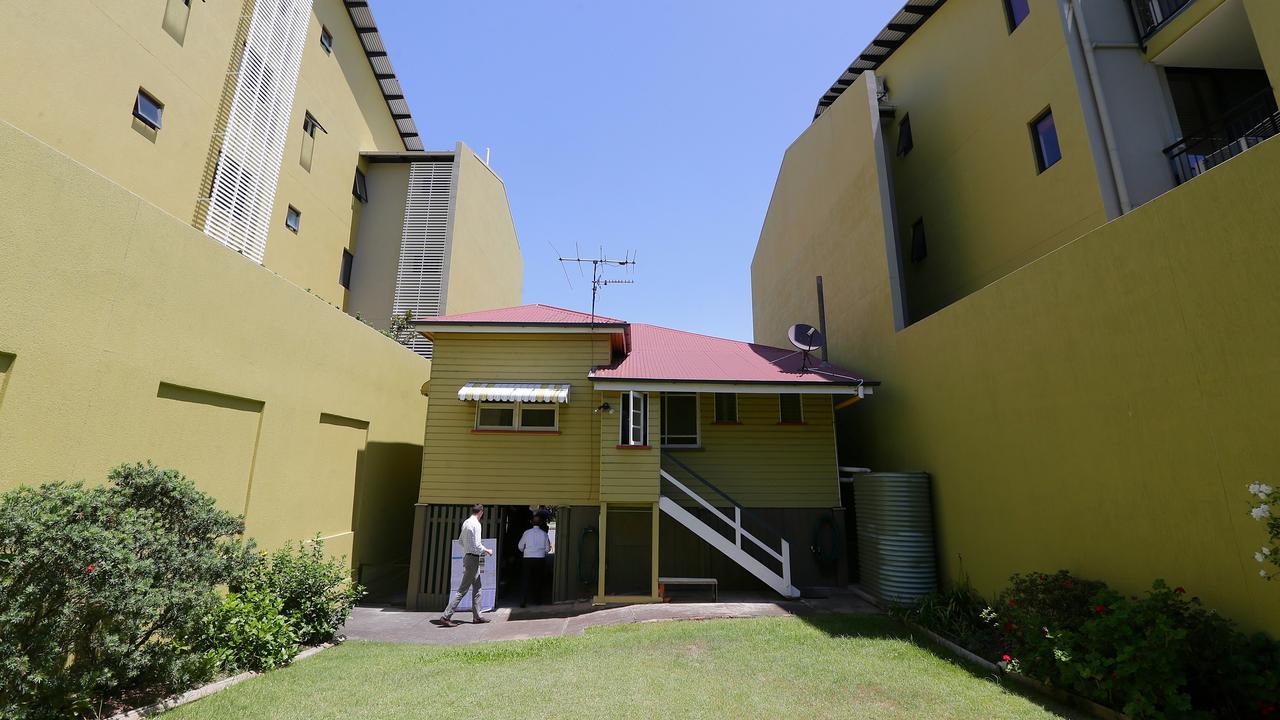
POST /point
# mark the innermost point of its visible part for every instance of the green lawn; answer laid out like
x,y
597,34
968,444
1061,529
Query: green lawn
x,y
837,667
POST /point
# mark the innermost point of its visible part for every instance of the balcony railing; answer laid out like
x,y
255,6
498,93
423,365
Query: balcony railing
x,y
1246,125
1151,14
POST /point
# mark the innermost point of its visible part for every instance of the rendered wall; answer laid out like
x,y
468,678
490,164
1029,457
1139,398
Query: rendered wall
x,y
1100,409
971,88
1264,19
71,72
486,269
377,247
462,465
128,335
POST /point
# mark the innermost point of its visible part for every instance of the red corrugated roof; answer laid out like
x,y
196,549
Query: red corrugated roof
x,y
659,353
535,314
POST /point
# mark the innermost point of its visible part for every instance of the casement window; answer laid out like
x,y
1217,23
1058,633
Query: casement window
x,y
633,425
905,140
310,125
176,15
344,275
919,246
726,407
309,128
1044,138
790,408
518,416
679,420
326,39
360,188
148,109
293,218
1015,11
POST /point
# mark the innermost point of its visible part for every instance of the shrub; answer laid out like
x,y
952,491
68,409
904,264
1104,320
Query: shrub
x,y
956,613
1267,512
317,592
249,632
99,586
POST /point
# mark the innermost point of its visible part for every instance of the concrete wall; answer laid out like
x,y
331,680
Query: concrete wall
x,y
377,248
128,335
485,268
71,72
1100,409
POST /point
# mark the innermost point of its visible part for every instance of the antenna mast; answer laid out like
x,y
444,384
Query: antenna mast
x,y
598,264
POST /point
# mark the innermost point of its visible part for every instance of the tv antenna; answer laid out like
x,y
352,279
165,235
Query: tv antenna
x,y
598,265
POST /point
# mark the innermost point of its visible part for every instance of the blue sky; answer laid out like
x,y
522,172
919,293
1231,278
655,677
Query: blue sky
x,y
650,127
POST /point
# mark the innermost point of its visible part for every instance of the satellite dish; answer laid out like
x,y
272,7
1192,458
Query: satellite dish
x,y
805,337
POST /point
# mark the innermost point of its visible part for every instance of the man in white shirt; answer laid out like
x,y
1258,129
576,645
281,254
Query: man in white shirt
x,y
534,544
473,552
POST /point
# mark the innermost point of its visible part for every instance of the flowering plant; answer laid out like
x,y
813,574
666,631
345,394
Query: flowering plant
x,y
1267,497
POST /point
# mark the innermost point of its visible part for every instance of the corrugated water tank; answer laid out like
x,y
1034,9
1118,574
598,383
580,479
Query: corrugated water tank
x,y
896,555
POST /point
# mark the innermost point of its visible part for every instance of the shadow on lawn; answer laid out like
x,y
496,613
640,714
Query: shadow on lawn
x,y
885,627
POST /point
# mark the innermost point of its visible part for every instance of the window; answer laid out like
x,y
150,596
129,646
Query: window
x,y
344,275
293,218
633,426
905,141
919,248
517,416
1015,12
148,109
326,39
1044,136
680,419
361,187
176,15
726,408
790,408
310,125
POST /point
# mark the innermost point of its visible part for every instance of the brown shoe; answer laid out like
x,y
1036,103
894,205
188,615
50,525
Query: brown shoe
x,y
481,621
444,622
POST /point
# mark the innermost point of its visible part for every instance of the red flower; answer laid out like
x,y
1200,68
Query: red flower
x,y
1068,584
1013,603
89,568
1266,708
1180,590
1005,657
1099,609
1011,626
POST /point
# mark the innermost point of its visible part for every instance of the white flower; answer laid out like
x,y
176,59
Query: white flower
x,y
1259,557
1253,488
1260,512
1264,490
1262,573
1266,551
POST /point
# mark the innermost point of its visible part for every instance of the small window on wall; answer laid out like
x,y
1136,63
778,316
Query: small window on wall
x,y
905,141
633,425
790,408
726,408
361,187
679,420
344,275
1044,136
496,416
1015,12
293,218
518,417
309,128
326,39
148,109
919,247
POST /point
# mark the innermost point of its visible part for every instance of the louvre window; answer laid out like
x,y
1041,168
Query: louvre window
x,y
1044,136
680,419
148,109
326,39
361,187
344,275
1015,12
905,141
790,408
919,247
293,218
726,408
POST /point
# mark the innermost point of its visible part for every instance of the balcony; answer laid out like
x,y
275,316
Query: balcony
x,y
1150,15
1243,127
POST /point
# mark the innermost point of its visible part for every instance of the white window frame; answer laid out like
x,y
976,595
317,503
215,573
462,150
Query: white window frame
x,y
630,432
715,409
516,409
782,420
697,420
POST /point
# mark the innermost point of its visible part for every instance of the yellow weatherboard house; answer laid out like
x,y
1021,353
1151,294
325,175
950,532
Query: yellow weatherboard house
x,y
645,443
1049,227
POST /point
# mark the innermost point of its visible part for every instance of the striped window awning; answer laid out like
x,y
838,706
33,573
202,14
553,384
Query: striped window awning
x,y
515,392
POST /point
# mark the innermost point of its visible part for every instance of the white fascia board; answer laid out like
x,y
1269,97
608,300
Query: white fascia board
x,y
739,388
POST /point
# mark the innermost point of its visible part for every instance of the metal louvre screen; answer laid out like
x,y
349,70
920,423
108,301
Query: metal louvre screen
x,y
420,274
244,184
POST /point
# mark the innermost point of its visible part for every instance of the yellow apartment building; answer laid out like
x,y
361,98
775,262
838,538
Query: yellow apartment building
x,y
1048,227
195,192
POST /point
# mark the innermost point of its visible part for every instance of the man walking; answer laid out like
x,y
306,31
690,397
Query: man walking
x,y
473,552
534,545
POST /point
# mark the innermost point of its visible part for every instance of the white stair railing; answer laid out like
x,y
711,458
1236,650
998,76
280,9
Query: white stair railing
x,y
733,549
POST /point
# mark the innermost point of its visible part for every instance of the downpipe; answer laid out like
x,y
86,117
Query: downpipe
x,y
1087,47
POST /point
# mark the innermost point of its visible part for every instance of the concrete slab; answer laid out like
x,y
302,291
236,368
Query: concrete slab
x,y
395,624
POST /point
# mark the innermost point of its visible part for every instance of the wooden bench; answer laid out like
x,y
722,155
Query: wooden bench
x,y
712,583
